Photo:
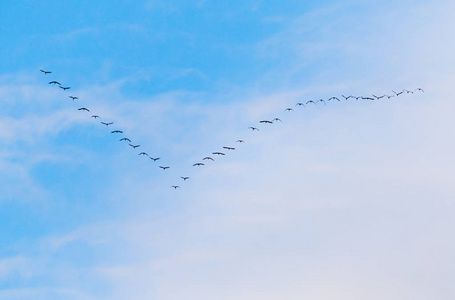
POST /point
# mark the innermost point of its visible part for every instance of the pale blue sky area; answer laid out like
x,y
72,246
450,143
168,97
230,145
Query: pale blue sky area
x,y
349,200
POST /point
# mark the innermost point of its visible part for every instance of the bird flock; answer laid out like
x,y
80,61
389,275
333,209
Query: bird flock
x,y
226,149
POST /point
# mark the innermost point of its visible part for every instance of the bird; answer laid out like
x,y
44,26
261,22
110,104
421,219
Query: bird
x,y
389,96
154,159
378,97
288,109
184,178
277,119
332,98
265,122
229,148
419,89
143,153
125,139
253,128
83,108
107,124
198,164
54,82
45,72
322,100
175,186
218,153
95,116
74,98
240,141
311,101
345,98
398,94
300,104
208,157
134,146
64,88
116,131
164,168
408,91
367,98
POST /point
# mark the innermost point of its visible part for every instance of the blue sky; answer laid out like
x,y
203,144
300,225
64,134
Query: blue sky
x,y
344,201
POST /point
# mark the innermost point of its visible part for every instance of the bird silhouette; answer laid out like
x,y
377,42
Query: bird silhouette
x,y
83,108
240,141
322,100
45,72
175,186
164,168
300,104
54,82
367,98
265,122
198,164
74,98
208,157
229,148
185,178
134,146
154,159
218,153
253,128
107,124
418,89
95,116
288,109
398,94
333,98
143,153
378,97
116,131
125,139
64,88
310,101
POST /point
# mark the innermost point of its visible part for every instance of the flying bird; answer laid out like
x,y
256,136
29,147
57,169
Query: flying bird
x,y
198,164
288,109
107,124
418,89
95,116
83,108
229,148
208,157
45,72
164,168
125,139
154,159
116,131
333,98
240,141
277,119
253,128
378,97
218,153
54,82
322,100
398,94
185,178
367,98
311,101
300,104
134,146
265,122
175,186
74,98
143,153
64,88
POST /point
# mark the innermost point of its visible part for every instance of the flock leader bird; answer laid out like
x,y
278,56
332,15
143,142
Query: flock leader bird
x,y
207,158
